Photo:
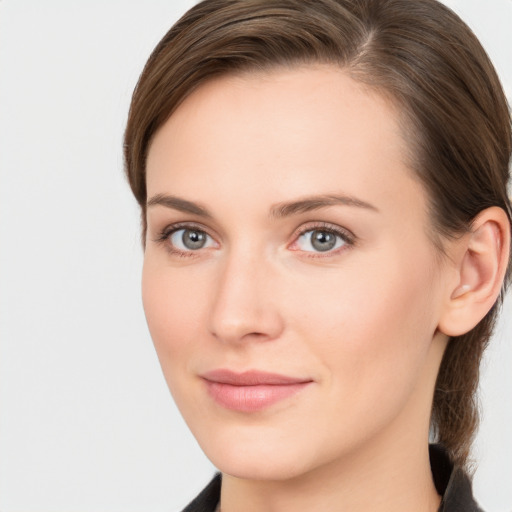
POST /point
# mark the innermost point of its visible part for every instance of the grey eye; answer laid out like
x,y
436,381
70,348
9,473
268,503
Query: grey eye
x,y
323,240
190,239
319,240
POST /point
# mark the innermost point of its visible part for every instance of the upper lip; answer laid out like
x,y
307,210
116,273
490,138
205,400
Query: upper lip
x,y
251,378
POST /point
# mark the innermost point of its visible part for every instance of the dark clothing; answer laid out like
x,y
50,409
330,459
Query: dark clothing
x,y
451,483
208,498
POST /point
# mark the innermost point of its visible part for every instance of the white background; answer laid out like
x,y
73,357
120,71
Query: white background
x,y
86,421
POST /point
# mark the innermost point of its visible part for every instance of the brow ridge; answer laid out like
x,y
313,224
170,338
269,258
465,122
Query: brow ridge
x,y
316,202
177,203
277,211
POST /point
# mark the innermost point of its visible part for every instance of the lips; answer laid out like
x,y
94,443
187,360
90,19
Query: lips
x,y
251,391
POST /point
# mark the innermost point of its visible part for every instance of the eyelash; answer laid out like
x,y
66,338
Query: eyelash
x,y
163,238
348,238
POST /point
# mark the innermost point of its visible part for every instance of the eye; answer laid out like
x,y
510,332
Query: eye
x,y
189,239
321,240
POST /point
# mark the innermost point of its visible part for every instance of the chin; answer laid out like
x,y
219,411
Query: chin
x,y
257,467
259,456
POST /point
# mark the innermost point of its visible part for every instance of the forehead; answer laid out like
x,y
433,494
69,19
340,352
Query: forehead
x,y
308,127
298,94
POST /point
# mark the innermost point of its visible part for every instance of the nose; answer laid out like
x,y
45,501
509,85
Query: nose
x,y
244,305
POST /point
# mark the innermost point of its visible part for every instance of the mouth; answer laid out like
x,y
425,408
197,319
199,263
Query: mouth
x,y
251,391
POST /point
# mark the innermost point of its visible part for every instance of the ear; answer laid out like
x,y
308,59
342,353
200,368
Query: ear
x,y
481,258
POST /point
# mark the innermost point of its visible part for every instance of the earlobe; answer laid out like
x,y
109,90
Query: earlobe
x,y
481,264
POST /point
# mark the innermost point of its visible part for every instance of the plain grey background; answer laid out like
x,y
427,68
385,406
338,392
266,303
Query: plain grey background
x,y
86,421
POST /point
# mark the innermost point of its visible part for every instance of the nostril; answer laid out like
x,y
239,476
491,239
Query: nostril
x,y
258,327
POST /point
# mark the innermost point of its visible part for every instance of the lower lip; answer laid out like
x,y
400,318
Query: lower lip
x,y
252,398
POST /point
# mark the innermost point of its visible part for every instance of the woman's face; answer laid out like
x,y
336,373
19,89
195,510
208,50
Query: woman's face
x,y
289,283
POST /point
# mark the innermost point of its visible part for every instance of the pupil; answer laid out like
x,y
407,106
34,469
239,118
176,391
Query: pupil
x,y
193,239
323,240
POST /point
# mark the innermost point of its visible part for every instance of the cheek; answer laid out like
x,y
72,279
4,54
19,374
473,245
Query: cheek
x,y
366,300
171,305
371,326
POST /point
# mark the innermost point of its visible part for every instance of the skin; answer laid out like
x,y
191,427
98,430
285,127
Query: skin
x,y
360,321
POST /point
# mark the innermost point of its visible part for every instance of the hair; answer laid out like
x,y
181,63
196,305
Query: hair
x,y
422,57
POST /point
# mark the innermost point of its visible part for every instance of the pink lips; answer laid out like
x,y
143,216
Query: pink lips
x,y
252,390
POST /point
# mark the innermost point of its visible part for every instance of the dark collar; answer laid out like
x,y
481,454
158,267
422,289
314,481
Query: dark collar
x,y
451,483
208,499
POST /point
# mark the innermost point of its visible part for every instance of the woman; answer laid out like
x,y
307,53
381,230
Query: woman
x,y
327,238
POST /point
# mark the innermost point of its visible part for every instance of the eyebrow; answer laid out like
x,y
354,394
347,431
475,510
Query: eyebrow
x,y
308,204
176,203
277,211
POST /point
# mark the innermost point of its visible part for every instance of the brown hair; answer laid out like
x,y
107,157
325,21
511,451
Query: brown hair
x,y
421,56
